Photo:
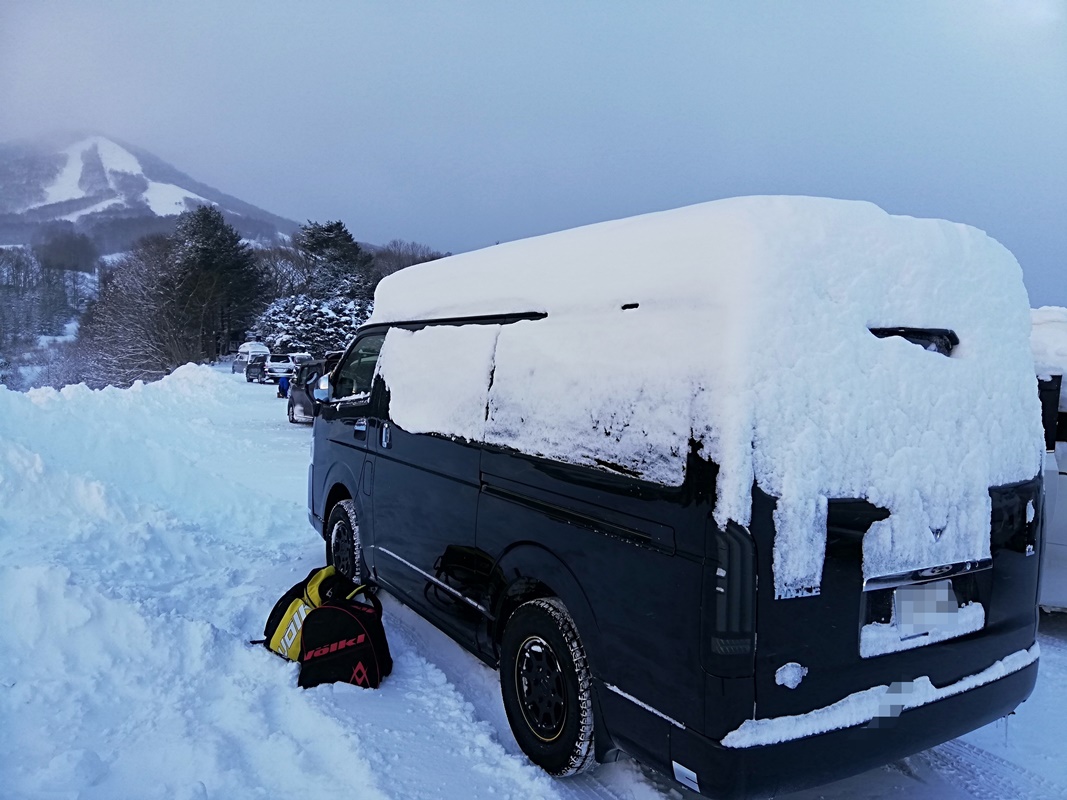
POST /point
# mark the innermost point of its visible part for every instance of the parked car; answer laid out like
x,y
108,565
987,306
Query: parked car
x,y
256,368
303,407
285,364
278,365
244,352
1048,342
763,514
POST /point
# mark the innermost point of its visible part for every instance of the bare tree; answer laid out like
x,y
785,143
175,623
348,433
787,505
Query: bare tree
x,y
398,254
288,270
136,329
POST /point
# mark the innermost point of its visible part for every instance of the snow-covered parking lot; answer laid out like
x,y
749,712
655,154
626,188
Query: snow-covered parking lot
x,y
144,536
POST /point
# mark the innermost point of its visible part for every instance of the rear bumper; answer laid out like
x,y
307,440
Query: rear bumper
x,y
766,770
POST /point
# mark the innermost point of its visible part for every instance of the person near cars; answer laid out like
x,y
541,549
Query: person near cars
x,y
283,386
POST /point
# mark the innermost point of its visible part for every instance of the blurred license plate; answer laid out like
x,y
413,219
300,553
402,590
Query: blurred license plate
x,y
925,608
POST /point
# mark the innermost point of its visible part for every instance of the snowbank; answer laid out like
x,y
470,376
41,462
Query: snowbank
x,y
744,324
144,536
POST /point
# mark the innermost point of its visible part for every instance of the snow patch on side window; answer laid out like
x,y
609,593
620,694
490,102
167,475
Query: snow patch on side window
x,y
438,378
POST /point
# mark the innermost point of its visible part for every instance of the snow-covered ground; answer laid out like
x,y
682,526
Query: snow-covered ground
x,y
144,536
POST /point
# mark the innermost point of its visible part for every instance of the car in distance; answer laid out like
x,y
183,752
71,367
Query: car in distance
x,y
279,365
762,517
256,368
302,406
244,352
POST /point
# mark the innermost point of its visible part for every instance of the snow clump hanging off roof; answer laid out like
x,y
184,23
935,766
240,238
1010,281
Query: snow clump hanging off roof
x,y
744,324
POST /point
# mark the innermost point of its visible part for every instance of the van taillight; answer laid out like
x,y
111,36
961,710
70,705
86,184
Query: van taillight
x,y
1015,520
729,618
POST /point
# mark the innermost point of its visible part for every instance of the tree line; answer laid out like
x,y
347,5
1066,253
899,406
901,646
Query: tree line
x,y
191,295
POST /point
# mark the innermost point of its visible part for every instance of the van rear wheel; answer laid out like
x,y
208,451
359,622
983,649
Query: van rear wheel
x,y
343,547
547,687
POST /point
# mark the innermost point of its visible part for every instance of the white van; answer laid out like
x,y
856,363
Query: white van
x,y
1048,341
245,352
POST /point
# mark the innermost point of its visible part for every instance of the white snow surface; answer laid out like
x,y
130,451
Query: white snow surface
x,y
145,535
751,336
163,198
166,198
879,638
65,186
791,674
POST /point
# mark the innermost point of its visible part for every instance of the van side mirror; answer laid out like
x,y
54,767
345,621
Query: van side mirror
x,y
323,391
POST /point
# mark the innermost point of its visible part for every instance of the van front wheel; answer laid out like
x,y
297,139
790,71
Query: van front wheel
x,y
344,549
547,687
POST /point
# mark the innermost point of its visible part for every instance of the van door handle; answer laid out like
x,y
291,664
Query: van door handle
x,y
387,436
359,429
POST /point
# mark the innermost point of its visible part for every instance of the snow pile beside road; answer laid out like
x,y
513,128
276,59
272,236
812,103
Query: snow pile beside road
x,y
144,536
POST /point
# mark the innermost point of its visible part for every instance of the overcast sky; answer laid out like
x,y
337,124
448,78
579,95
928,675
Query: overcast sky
x,y
460,124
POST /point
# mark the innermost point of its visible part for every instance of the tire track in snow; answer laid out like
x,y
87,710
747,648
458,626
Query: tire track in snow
x,y
986,776
479,685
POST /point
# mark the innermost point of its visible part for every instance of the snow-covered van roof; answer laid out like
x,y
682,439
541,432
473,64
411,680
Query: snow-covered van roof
x,y
744,324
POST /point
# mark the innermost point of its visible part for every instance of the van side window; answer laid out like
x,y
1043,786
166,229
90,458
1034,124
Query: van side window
x,y
356,374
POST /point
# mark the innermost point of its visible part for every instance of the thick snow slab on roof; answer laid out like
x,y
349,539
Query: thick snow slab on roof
x,y
1048,343
751,336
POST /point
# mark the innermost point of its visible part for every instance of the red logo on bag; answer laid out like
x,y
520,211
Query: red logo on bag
x,y
333,648
359,675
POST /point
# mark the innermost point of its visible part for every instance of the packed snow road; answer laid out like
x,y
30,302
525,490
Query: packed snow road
x,y
144,536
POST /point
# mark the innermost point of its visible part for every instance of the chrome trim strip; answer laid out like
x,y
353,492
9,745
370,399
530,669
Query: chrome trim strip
x,y
435,581
924,575
645,706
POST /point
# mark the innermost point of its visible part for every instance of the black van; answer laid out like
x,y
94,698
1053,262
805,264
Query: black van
x,y
623,617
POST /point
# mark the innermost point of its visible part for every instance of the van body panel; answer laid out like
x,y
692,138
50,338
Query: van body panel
x,y
426,498
822,633
767,771
645,600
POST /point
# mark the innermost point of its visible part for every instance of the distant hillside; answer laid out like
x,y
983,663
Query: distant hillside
x,y
109,190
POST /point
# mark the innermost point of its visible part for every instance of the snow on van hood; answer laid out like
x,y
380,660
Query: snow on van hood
x,y
744,324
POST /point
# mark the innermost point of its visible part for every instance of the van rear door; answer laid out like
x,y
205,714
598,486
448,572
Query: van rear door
x,y
849,638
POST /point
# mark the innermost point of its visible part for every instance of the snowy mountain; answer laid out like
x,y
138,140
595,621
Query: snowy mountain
x,y
110,190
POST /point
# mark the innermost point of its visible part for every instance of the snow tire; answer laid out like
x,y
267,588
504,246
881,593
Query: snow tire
x,y
547,687
343,547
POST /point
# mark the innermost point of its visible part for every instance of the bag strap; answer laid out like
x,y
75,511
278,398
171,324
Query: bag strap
x,y
374,601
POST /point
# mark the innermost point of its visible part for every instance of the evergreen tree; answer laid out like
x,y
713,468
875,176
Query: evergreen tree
x,y
217,281
171,300
341,267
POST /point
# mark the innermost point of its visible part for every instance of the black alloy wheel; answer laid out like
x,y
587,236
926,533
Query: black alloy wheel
x,y
343,547
292,417
539,686
547,687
